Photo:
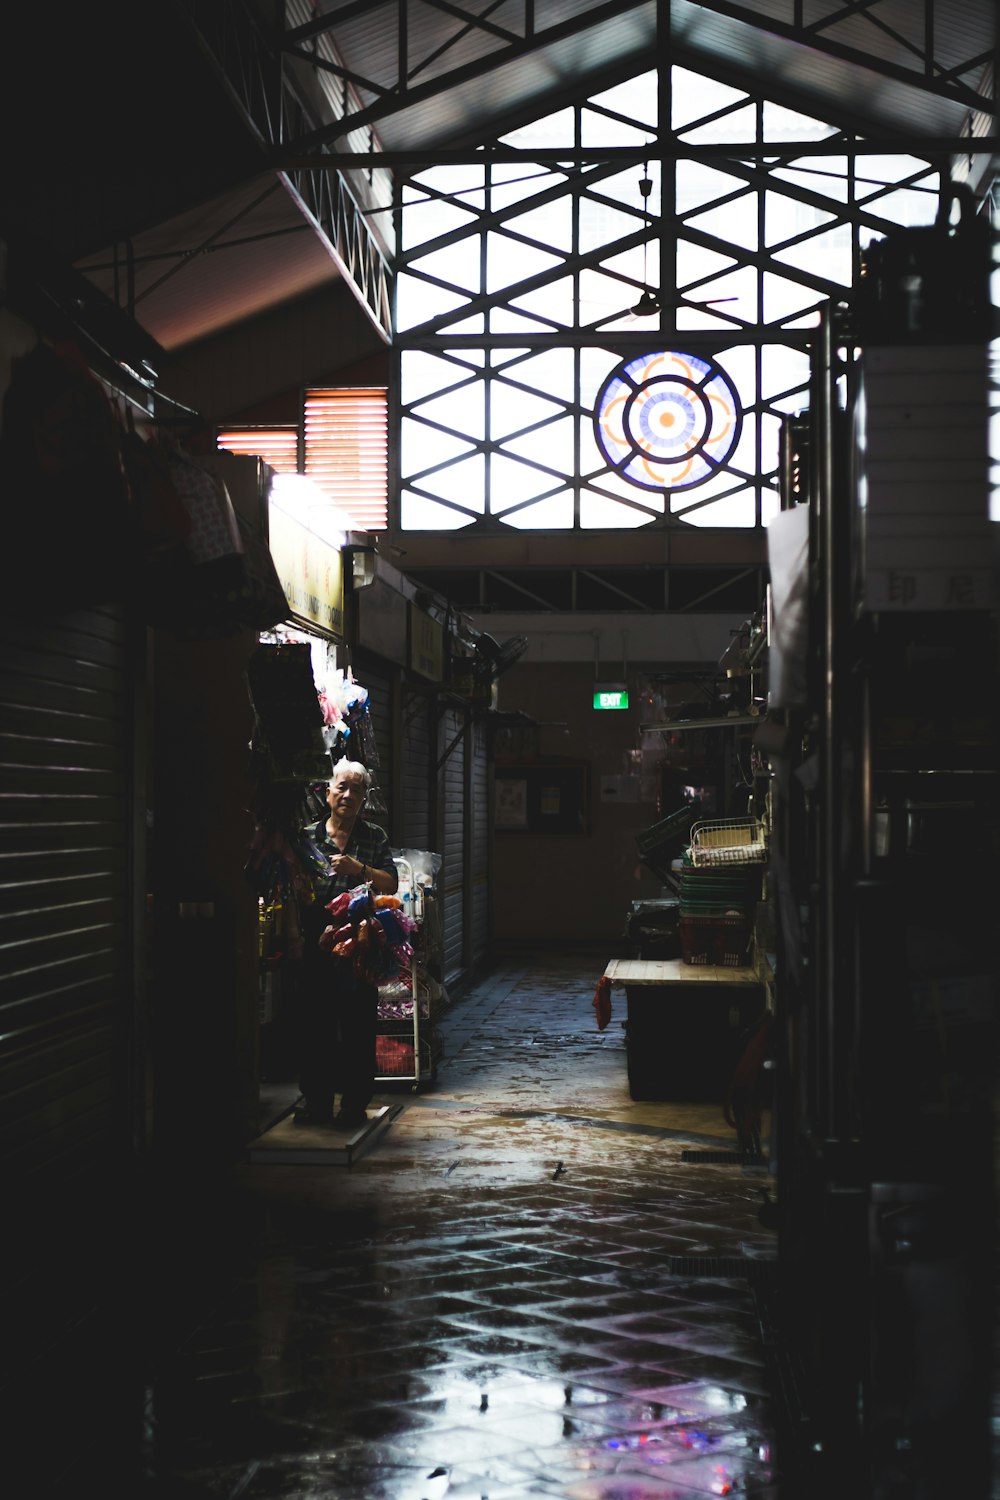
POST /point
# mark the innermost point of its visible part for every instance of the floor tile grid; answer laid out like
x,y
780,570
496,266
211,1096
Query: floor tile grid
x,y
487,1305
461,1339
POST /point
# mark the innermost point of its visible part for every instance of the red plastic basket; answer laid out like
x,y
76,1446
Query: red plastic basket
x,y
723,941
697,939
393,1056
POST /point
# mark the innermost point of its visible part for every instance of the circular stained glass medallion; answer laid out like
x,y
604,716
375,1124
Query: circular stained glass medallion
x,y
667,420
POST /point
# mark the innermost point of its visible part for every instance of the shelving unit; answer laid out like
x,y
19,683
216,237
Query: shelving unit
x,y
883,843
407,1039
689,1016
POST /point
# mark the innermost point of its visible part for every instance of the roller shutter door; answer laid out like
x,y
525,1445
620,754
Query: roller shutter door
x,y
416,772
66,740
478,905
379,685
452,802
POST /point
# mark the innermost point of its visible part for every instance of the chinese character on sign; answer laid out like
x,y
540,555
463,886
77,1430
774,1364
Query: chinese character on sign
x,y
902,588
961,590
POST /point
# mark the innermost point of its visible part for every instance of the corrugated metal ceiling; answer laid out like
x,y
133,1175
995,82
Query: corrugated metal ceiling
x,y
210,246
825,68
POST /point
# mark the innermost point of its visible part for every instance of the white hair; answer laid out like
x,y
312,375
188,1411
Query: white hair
x,y
352,768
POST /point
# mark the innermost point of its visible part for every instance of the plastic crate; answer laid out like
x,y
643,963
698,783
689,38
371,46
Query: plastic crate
x,y
675,827
723,941
658,844
393,1057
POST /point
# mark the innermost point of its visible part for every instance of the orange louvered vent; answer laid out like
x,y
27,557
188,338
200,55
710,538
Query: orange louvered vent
x,y
277,446
346,449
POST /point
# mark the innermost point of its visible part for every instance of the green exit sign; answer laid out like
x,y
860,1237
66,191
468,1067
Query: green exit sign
x,y
610,696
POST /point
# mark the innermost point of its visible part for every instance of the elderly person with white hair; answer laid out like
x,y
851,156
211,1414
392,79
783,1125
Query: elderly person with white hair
x,y
338,1009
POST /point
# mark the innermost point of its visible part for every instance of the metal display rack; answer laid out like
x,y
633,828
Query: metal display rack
x,y
734,841
407,1040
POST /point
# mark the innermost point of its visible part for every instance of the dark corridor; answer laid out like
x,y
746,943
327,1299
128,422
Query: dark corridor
x,y
529,1285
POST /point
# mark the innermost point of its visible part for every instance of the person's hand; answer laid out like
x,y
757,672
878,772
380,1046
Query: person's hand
x,y
347,866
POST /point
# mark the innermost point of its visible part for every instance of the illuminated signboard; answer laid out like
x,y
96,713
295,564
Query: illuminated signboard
x,y
311,571
610,695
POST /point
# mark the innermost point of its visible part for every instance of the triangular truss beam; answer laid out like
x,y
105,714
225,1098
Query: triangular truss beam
x,y
263,90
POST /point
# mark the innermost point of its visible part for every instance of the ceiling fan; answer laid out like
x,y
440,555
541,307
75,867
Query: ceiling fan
x,y
651,302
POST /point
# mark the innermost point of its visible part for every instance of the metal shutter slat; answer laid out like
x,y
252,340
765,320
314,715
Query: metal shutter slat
x,y
57,753
65,894
32,994
21,900
416,773
479,854
73,1011
453,851
23,718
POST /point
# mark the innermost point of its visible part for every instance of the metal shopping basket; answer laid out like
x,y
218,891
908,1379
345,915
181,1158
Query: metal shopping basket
x,y
737,841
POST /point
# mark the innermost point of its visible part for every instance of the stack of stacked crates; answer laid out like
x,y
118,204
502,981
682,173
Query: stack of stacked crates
x,y
720,886
657,846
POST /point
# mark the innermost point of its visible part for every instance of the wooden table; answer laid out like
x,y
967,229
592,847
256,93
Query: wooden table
x,y
685,1024
664,971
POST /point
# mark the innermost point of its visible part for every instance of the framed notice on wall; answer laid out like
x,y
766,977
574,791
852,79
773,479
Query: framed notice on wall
x,y
541,799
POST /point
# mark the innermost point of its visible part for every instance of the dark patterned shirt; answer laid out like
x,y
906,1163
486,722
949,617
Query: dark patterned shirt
x,y
368,842
371,846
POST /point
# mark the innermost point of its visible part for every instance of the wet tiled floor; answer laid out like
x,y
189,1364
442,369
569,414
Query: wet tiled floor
x,y
522,1289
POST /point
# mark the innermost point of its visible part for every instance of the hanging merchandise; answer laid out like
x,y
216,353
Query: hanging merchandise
x,y
348,730
284,868
205,573
215,534
166,585
215,573
344,705
164,520
260,602
371,930
288,728
283,863
365,731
